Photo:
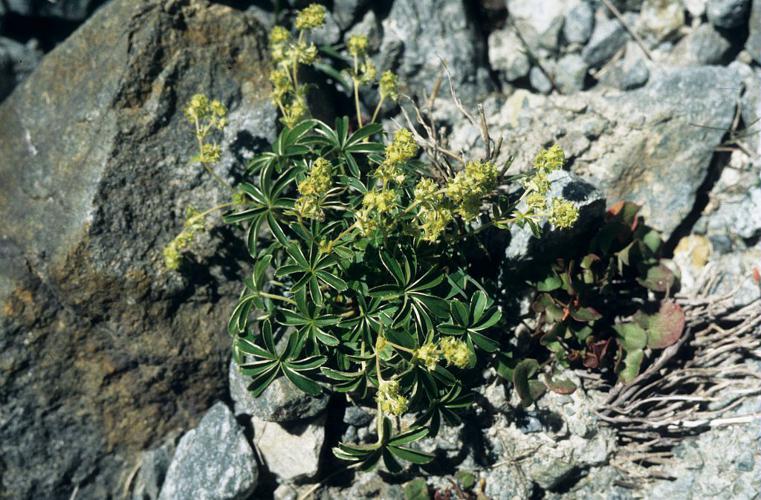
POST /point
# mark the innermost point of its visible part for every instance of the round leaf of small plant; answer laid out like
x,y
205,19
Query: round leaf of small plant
x,y
632,363
633,336
666,326
659,279
417,489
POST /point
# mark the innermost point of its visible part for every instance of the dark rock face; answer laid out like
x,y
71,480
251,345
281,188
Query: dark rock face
x,y
102,351
73,10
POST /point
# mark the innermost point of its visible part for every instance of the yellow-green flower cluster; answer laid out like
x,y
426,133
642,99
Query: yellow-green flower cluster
x,y
455,352
389,399
288,54
433,216
389,86
380,202
313,189
563,213
357,45
428,354
402,148
206,116
550,159
311,17
469,187
173,251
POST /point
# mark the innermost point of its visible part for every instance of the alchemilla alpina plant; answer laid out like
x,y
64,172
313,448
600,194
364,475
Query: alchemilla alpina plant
x,y
359,282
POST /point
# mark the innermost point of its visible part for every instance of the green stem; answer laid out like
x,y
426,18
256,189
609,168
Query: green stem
x,y
277,297
377,109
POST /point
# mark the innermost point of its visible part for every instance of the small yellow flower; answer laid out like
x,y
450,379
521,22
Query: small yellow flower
x,y
428,354
279,35
367,72
389,86
426,192
550,159
455,352
380,202
357,45
402,148
536,202
313,189
210,153
389,399
563,213
469,187
311,17
433,222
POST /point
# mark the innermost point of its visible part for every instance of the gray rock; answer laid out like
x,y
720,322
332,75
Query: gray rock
x,y
538,22
103,352
589,201
628,73
329,33
346,12
214,461
366,485
570,73
661,19
727,13
419,34
153,467
696,8
579,23
607,38
539,80
71,10
574,440
17,61
507,482
721,463
357,416
659,154
281,401
291,452
507,55
753,43
703,46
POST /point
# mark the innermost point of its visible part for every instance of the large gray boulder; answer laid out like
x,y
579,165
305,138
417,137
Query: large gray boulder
x,y
420,34
214,461
653,145
102,351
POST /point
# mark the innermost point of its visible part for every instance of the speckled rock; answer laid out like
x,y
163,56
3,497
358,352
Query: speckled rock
x,y
17,61
214,461
579,23
507,55
100,347
727,13
290,451
607,38
704,45
753,43
70,10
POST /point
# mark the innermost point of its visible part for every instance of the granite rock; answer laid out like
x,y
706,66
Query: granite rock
x,y
214,461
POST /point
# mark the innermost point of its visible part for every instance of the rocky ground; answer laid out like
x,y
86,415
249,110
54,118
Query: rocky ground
x,y
115,373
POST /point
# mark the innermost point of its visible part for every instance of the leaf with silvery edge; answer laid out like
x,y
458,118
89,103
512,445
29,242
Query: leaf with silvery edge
x,y
473,321
265,364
